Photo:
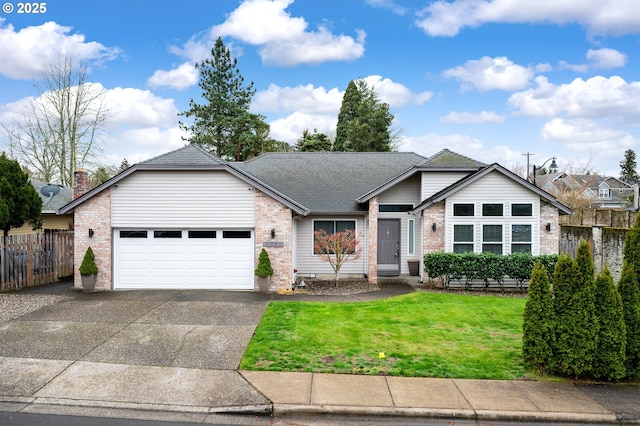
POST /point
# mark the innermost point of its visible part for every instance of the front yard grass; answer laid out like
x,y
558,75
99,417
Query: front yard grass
x,y
420,335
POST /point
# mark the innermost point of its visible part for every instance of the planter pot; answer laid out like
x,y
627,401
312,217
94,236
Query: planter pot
x,y
88,282
264,283
414,267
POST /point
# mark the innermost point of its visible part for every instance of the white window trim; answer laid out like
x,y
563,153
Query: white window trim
x,y
411,237
313,226
503,225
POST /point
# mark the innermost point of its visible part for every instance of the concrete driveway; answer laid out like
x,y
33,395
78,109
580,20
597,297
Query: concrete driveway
x,y
131,348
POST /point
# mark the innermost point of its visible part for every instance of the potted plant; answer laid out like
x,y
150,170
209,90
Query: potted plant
x,y
264,271
88,270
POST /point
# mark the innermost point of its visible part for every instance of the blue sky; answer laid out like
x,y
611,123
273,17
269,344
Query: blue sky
x,y
488,79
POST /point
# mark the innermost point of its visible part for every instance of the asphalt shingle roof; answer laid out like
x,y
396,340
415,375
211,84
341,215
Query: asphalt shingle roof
x,y
447,159
189,155
329,182
51,203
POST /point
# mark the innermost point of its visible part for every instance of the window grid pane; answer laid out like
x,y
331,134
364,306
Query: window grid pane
x,y
463,209
521,210
492,233
492,210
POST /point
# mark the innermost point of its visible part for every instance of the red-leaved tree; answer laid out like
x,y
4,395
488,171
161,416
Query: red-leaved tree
x,y
337,249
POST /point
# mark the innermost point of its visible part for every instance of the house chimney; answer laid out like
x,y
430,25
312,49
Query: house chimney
x,y
80,182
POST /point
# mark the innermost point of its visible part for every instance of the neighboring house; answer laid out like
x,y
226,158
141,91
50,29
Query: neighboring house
x,y
604,192
53,197
188,219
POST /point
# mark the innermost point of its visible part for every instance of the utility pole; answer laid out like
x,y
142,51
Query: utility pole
x,y
528,154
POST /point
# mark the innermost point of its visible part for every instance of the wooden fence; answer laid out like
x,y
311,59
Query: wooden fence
x,y
35,259
601,217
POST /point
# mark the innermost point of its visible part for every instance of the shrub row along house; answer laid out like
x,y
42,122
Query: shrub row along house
x,y
188,219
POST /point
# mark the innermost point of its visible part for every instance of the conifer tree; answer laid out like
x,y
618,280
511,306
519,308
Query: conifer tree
x,y
538,337
610,356
630,296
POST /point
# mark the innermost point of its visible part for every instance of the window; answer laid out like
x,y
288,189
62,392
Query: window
x,y
521,210
492,210
492,239
605,193
412,234
133,234
167,234
236,234
394,208
333,226
463,209
520,238
202,234
462,238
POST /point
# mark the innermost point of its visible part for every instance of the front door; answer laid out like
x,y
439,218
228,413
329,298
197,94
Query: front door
x,y
388,247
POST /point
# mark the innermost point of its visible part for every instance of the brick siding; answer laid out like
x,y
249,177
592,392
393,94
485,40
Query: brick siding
x,y
95,214
271,214
549,239
433,241
372,243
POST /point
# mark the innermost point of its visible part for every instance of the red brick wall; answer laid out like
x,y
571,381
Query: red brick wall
x,y
271,214
94,214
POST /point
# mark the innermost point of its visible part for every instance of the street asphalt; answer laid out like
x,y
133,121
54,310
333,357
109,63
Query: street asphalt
x,y
174,354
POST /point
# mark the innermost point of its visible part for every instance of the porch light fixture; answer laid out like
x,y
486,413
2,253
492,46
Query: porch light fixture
x,y
548,227
273,233
433,227
90,232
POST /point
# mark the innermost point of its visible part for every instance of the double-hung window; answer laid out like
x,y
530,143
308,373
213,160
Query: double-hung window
x,y
462,238
492,239
332,227
521,238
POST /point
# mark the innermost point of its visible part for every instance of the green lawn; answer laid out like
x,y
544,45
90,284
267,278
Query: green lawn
x,y
420,334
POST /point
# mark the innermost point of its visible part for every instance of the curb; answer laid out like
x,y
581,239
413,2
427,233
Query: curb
x,y
481,415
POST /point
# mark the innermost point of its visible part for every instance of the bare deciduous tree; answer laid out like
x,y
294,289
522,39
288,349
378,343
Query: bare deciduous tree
x,y
59,129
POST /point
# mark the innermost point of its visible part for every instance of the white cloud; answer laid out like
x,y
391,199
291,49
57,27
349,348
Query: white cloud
x,y
487,73
305,99
613,17
186,75
140,109
28,52
395,94
606,58
597,97
388,4
473,118
283,40
289,129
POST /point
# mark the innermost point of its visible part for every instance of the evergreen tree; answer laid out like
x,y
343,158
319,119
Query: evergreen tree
x,y
630,296
364,121
224,122
19,201
313,142
610,355
628,172
538,337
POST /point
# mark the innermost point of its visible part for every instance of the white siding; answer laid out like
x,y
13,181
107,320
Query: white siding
x,y
309,263
494,188
433,182
198,199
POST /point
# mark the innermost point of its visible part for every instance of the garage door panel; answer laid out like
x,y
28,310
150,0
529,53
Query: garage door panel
x,y
197,260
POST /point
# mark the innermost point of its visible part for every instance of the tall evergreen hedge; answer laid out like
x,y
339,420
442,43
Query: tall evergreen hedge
x,y
538,338
610,356
630,296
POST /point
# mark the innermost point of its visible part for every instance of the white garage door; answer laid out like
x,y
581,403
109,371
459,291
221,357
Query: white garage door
x,y
181,259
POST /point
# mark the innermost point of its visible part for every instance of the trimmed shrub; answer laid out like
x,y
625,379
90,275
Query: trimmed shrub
x,y
264,268
630,296
88,265
610,355
538,337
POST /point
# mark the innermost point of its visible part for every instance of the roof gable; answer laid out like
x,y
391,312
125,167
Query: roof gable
x,y
447,159
468,180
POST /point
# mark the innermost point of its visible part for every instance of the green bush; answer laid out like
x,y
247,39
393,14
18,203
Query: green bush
x,y
264,268
88,265
630,296
538,336
484,266
610,355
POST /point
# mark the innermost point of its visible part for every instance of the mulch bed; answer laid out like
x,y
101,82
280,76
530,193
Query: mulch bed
x,y
341,288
